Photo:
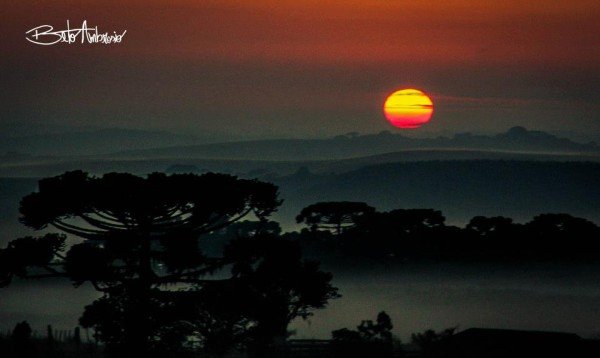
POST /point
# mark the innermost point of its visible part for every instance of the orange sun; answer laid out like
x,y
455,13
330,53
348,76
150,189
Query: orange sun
x,y
408,108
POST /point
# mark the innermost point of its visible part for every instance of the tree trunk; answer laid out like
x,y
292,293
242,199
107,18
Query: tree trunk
x,y
138,327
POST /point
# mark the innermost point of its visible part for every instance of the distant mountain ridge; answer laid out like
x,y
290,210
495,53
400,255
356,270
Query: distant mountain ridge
x,y
516,139
17,143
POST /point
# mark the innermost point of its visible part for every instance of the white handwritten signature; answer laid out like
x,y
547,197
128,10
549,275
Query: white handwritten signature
x,y
45,35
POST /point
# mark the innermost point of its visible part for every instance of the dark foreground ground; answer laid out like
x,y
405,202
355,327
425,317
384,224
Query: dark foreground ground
x,y
473,342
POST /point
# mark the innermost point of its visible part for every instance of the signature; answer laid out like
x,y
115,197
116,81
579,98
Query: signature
x,y
45,35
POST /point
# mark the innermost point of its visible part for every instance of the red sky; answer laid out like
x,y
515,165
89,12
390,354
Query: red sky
x,y
307,67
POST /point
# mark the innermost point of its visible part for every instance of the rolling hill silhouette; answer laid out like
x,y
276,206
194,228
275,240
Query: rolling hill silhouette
x,y
516,139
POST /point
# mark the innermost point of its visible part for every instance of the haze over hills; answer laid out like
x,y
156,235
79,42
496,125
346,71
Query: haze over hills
x,y
503,174
516,139
286,156
49,166
133,143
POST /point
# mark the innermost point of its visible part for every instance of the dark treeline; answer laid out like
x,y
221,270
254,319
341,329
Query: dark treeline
x,y
369,339
517,189
354,228
23,342
192,263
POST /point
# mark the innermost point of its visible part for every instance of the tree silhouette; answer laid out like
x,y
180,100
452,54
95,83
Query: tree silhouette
x,y
280,285
561,234
491,226
21,333
561,226
368,340
429,340
400,222
138,236
336,215
396,232
21,337
381,330
271,285
423,233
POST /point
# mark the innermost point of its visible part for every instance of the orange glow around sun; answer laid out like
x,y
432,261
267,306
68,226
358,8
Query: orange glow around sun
x,y
408,108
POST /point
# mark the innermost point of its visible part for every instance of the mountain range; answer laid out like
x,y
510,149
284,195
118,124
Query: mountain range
x,y
277,157
133,143
516,139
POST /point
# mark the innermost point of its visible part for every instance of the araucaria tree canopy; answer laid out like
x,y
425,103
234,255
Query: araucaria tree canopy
x,y
139,245
133,226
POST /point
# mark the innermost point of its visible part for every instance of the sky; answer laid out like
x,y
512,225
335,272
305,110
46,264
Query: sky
x,y
304,68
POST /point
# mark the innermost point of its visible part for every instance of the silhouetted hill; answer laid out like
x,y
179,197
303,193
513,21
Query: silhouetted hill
x,y
515,139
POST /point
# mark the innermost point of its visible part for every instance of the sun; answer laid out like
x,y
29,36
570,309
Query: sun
x,y
408,108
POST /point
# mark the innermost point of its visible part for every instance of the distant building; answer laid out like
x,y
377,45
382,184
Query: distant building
x,y
484,343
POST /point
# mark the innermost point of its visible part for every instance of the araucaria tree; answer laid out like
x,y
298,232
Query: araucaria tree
x,y
138,243
334,215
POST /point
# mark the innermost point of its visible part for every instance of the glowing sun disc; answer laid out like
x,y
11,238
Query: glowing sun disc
x,y
408,108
